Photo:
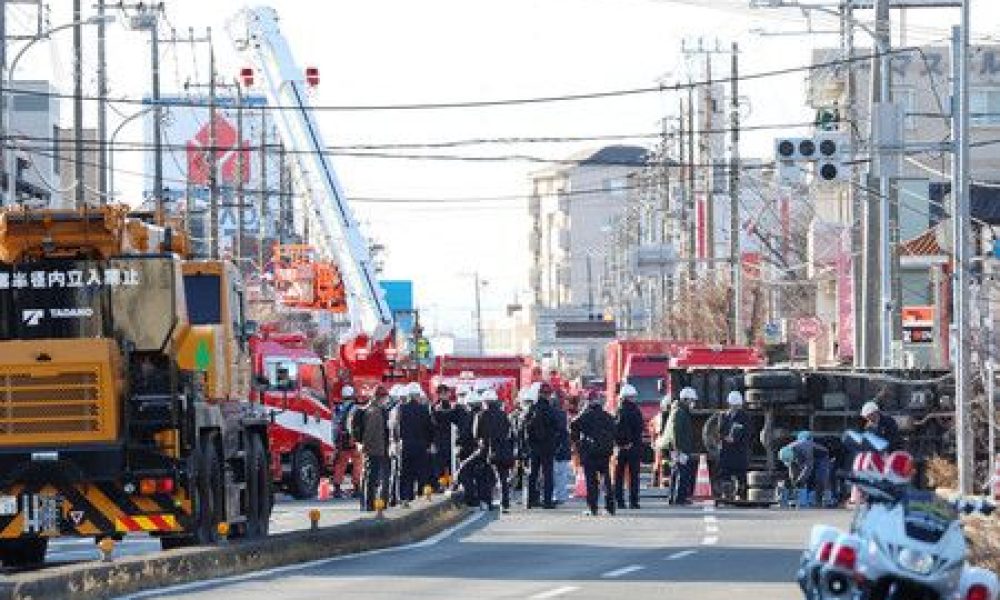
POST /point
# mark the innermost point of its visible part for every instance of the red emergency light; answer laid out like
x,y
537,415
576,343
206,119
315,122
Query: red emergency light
x,y
312,76
246,76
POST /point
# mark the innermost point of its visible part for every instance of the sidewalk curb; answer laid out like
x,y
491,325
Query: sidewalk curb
x,y
97,580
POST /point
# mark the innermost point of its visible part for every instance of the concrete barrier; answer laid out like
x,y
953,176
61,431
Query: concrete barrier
x,y
96,580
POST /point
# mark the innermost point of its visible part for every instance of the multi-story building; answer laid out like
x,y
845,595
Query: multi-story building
x,y
572,209
34,129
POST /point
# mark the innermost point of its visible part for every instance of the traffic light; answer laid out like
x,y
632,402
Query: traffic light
x,y
827,150
830,164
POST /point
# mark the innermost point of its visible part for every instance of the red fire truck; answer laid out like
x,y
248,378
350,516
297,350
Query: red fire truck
x,y
290,380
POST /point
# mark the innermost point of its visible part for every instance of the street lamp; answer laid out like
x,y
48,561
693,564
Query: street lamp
x,y
111,148
9,100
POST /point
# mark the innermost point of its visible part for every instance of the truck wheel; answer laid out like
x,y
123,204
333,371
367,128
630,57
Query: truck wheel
x,y
207,498
759,479
23,552
771,397
760,496
772,380
305,474
258,489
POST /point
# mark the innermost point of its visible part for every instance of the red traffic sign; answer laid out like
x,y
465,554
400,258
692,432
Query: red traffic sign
x,y
809,327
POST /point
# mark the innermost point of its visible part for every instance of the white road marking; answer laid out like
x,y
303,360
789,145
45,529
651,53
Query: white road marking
x,y
708,508
622,571
681,554
711,519
560,591
185,587
711,529
710,540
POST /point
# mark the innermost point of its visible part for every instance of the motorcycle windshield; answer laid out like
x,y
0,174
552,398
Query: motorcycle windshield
x,y
927,516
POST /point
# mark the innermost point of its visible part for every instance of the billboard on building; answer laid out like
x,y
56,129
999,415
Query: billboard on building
x,y
186,133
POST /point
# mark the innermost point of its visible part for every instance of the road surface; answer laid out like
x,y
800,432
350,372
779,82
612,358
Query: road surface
x,y
655,552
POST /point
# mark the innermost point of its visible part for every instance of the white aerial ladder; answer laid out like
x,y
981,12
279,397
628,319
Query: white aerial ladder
x,y
338,235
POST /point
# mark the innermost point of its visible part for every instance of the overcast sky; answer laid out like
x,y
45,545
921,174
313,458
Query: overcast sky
x,y
391,51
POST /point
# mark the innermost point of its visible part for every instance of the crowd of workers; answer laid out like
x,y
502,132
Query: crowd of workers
x,y
406,443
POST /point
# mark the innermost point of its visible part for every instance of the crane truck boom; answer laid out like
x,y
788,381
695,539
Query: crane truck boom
x,y
256,33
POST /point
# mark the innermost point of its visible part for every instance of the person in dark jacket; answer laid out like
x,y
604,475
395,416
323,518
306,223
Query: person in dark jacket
x,y
517,418
881,425
469,472
496,446
808,465
735,434
442,414
680,441
369,426
593,433
413,433
628,439
541,427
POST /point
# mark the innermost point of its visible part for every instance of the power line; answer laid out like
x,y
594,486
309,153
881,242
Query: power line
x,y
473,104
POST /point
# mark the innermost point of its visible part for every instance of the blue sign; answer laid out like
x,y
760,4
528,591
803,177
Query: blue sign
x,y
399,297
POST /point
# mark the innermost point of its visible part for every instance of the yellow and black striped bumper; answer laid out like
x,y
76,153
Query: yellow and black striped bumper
x,y
94,509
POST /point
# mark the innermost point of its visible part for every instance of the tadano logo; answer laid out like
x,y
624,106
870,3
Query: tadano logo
x,y
32,316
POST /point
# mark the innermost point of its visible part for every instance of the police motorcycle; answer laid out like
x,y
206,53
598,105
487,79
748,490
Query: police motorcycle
x,y
903,543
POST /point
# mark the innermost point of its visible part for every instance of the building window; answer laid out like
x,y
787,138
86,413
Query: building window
x,y
616,187
984,104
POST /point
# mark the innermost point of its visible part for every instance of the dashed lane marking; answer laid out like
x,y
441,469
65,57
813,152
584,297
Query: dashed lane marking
x,y
711,519
622,571
681,554
711,529
560,591
710,540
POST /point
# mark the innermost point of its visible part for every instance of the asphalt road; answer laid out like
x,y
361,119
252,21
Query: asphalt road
x,y
288,515
655,552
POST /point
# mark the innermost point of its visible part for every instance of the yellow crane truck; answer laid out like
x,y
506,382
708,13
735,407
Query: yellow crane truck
x,y
124,387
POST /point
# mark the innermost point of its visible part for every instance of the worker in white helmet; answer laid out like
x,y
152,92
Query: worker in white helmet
x,y
629,426
680,444
413,432
735,437
658,427
881,425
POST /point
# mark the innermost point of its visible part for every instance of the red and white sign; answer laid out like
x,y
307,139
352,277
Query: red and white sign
x,y
226,155
808,328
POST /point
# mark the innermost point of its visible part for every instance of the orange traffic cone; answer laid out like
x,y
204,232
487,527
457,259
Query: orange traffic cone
x,y
323,491
580,485
703,482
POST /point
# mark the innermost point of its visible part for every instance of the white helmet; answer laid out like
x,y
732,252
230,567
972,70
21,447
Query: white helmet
x,y
869,409
523,397
734,399
346,392
489,395
414,389
396,391
689,394
665,403
471,398
628,391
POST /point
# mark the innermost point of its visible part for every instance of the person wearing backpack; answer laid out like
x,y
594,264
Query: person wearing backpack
x,y
496,444
593,434
628,438
540,426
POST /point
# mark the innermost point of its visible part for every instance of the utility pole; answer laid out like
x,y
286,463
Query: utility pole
x,y
102,107
262,212
883,118
6,96
240,168
734,201
213,163
479,317
855,197
157,119
961,221
692,198
77,105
